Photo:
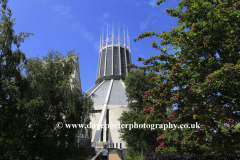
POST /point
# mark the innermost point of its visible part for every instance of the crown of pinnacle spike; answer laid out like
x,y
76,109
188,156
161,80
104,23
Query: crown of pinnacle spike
x,y
114,56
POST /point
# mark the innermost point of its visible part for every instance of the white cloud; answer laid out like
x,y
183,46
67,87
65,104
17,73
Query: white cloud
x,y
104,17
96,46
153,3
84,34
77,28
138,4
154,21
145,23
62,10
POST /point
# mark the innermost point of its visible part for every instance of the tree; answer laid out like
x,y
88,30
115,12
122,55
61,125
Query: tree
x,y
137,82
12,85
30,106
206,72
49,97
138,140
236,127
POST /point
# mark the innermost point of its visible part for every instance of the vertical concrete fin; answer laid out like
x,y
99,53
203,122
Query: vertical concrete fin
x,y
98,131
123,83
125,54
112,44
103,37
105,68
119,54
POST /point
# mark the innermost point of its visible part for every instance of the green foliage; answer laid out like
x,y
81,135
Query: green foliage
x,y
208,86
137,82
79,154
31,105
51,96
12,86
135,157
237,128
139,139
133,154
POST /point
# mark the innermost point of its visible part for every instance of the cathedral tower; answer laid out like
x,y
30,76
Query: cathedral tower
x,y
110,100
114,55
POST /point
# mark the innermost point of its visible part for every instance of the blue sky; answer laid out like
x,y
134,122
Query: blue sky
x,y
66,25
76,24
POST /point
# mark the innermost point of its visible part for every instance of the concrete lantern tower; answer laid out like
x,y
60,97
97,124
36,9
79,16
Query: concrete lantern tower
x,y
110,100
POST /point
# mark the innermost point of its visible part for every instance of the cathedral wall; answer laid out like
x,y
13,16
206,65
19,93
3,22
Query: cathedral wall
x,y
115,112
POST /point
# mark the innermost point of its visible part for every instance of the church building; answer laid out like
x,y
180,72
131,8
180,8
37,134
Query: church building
x,y
109,88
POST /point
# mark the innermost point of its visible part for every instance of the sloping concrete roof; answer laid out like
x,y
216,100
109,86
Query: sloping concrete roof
x,y
117,94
